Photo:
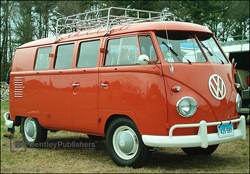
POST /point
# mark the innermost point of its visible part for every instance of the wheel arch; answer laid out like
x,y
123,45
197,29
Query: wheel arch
x,y
18,120
113,117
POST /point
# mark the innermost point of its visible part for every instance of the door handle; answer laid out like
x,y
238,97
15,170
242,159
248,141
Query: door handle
x,y
104,85
75,84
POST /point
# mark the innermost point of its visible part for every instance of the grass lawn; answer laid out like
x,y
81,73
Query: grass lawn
x,y
93,156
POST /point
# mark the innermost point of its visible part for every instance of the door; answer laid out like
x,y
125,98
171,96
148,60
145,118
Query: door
x,y
61,88
85,87
128,88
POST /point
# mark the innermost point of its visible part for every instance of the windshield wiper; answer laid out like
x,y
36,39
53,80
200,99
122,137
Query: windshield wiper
x,y
175,52
211,54
170,49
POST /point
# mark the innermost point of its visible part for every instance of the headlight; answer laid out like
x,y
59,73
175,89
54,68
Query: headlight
x,y
238,102
186,106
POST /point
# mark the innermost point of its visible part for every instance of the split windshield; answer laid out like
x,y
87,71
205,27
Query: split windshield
x,y
179,47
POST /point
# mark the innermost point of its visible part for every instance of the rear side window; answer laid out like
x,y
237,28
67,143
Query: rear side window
x,y
88,54
42,58
64,56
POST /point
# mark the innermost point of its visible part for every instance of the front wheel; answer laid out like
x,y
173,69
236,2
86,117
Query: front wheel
x,y
125,144
200,151
32,131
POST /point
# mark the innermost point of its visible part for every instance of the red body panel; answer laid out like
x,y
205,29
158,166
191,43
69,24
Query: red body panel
x,y
194,83
138,90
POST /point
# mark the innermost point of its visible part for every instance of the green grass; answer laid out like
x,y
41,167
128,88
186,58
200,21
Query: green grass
x,y
4,107
230,157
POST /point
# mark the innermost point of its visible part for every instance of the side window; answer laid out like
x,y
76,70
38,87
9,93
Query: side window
x,y
42,58
147,47
122,51
64,56
88,54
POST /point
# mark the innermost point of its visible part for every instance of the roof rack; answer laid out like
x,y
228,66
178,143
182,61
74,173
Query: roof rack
x,y
107,17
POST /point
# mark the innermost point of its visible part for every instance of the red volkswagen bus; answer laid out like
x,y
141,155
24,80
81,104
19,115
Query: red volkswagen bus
x,y
139,82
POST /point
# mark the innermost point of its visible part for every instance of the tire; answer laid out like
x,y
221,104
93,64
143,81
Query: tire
x,y
32,131
124,144
200,151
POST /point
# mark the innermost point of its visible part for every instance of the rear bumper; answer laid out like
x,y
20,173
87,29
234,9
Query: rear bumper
x,y
8,123
202,139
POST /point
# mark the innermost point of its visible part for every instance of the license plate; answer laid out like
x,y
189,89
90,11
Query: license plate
x,y
226,130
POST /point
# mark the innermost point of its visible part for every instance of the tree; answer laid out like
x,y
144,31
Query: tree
x,y
235,20
6,34
67,8
206,13
25,27
43,14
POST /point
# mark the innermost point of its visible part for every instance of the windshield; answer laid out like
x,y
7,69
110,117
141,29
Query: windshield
x,y
183,47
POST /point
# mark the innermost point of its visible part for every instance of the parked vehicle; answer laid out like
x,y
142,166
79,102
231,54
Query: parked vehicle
x,y
139,82
239,55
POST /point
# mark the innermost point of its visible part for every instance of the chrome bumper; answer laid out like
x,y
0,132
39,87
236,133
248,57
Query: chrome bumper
x,y
202,139
8,123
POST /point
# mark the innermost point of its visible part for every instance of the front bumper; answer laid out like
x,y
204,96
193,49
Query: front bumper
x,y
202,139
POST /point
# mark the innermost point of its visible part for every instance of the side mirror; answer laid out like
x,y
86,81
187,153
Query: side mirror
x,y
143,59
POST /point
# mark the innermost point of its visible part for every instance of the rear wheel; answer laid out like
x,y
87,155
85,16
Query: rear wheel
x,y
125,144
32,131
200,151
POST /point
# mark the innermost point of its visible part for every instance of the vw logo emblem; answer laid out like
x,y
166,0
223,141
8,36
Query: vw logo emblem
x,y
217,86
122,143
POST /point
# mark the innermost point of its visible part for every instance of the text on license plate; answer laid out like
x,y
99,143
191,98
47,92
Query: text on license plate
x,y
225,130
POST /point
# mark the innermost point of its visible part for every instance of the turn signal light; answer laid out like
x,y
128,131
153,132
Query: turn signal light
x,y
175,88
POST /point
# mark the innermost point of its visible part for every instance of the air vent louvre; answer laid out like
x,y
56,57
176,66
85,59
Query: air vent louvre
x,y
18,87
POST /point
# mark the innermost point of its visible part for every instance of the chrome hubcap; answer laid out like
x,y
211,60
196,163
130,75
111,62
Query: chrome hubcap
x,y
125,142
30,129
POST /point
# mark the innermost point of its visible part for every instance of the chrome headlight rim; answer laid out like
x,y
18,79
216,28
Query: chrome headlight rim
x,y
238,102
192,109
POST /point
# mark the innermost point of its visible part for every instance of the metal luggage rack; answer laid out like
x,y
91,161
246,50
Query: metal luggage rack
x,y
107,17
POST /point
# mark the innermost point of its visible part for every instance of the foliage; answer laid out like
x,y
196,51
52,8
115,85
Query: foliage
x,y
24,21
234,20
